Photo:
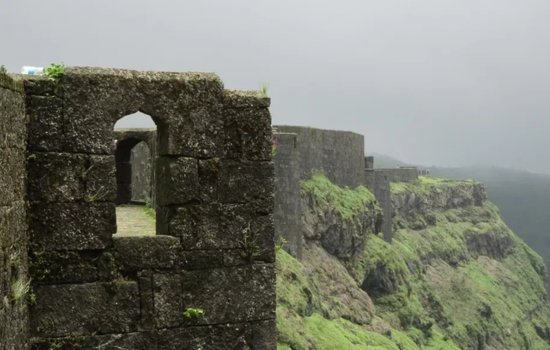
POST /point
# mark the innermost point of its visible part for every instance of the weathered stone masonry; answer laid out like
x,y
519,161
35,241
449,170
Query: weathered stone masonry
x,y
13,220
214,190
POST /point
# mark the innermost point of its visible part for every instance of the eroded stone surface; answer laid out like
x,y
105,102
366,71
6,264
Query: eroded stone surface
x,y
56,177
45,116
168,302
177,180
12,175
73,226
84,309
231,295
129,341
222,337
146,252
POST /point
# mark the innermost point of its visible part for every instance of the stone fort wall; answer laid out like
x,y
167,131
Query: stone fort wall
x,y
340,155
214,191
14,271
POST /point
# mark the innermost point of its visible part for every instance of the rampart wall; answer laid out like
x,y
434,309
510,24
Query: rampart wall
x,y
288,212
339,154
14,276
402,174
213,250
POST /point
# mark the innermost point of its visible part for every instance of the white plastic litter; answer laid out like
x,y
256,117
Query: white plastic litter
x,y
32,70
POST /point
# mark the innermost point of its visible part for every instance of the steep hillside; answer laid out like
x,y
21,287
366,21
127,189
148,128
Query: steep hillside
x,y
455,276
522,197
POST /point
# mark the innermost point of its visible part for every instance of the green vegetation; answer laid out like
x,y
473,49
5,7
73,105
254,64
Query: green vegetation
x,y
264,86
193,313
523,198
348,202
19,289
280,245
250,249
460,280
425,185
55,71
149,210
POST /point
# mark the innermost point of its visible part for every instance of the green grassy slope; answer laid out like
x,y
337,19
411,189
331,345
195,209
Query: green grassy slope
x,y
522,197
460,279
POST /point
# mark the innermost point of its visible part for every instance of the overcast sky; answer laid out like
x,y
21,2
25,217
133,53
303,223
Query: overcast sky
x,y
444,82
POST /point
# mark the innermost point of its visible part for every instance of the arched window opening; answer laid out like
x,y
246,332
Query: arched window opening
x,y
133,147
137,120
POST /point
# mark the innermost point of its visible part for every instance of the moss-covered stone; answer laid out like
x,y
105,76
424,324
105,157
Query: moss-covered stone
x,y
244,99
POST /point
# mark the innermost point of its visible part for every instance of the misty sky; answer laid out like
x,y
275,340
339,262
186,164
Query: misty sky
x,y
444,82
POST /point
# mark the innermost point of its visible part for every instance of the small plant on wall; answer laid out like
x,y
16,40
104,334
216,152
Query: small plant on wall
x,y
264,86
193,313
55,71
273,147
279,246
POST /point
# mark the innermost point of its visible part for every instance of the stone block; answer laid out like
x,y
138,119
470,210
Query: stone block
x,y
85,309
167,298
145,280
185,106
201,259
237,257
231,295
264,334
146,252
45,117
198,225
246,99
9,81
203,227
209,170
13,224
129,341
56,177
247,182
196,132
177,180
220,337
13,175
73,226
248,133
13,127
123,173
101,179
40,85
64,266
240,224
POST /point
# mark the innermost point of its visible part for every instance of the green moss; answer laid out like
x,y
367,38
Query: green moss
x,y
426,184
8,82
348,202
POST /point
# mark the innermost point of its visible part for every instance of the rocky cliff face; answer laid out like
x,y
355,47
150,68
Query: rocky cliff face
x,y
455,276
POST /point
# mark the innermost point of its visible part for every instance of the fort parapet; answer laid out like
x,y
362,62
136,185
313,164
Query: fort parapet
x,y
214,190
